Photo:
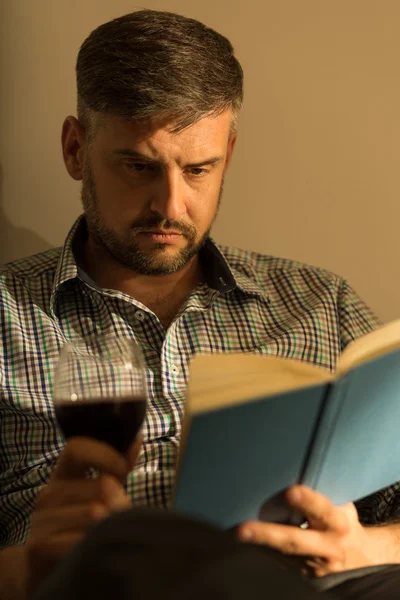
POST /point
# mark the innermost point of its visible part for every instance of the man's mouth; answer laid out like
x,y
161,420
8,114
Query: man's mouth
x,y
162,236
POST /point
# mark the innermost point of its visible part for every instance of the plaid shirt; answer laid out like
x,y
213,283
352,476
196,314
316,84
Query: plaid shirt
x,y
247,303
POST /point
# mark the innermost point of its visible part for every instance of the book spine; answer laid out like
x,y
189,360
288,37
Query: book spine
x,y
324,430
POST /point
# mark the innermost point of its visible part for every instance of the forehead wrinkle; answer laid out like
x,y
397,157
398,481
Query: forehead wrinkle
x,y
170,150
195,144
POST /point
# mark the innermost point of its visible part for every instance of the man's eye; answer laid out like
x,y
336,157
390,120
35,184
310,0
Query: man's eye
x,y
138,167
198,171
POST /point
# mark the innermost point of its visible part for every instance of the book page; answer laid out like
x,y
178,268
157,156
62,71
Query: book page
x,y
381,341
218,380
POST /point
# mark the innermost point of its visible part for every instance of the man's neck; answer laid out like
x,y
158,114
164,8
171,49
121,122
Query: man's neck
x,y
163,294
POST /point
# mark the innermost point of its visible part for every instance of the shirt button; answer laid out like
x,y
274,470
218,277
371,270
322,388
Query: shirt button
x,y
174,369
139,314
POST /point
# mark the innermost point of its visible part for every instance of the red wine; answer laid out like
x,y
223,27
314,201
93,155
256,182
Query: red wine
x,y
116,422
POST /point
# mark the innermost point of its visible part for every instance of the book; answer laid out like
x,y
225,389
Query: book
x,y
255,425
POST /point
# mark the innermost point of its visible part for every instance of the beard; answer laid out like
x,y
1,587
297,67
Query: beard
x,y
125,248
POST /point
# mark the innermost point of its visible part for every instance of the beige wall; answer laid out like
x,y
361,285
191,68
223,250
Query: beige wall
x,y
316,171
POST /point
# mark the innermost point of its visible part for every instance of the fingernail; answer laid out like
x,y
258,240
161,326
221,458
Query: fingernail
x,y
296,495
246,535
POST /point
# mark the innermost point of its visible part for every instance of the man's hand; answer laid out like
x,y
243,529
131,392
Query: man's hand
x,y
334,541
72,502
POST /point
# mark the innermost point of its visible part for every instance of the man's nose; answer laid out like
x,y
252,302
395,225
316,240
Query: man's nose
x,y
168,197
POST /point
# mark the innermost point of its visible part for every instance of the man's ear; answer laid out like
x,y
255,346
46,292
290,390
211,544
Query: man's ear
x,y
73,147
231,146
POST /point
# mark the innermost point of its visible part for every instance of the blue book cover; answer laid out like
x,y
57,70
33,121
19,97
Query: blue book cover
x,y
336,433
357,446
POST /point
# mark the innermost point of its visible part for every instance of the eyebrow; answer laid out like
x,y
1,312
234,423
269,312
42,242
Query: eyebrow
x,y
129,153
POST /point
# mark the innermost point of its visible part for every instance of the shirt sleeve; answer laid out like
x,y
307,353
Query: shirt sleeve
x,y
357,319
24,470
381,507
29,440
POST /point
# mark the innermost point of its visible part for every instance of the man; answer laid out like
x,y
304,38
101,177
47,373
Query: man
x,y
158,100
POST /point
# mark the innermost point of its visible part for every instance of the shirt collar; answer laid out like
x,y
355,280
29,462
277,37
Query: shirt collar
x,y
222,276
218,273
67,268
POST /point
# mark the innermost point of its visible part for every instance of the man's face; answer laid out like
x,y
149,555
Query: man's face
x,y
150,196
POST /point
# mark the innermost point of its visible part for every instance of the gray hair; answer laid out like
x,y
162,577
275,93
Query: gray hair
x,y
156,65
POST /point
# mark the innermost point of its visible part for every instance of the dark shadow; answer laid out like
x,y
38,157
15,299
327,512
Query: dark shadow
x,y
276,510
16,242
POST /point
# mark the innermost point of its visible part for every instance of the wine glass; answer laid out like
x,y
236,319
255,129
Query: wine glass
x,y
100,390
